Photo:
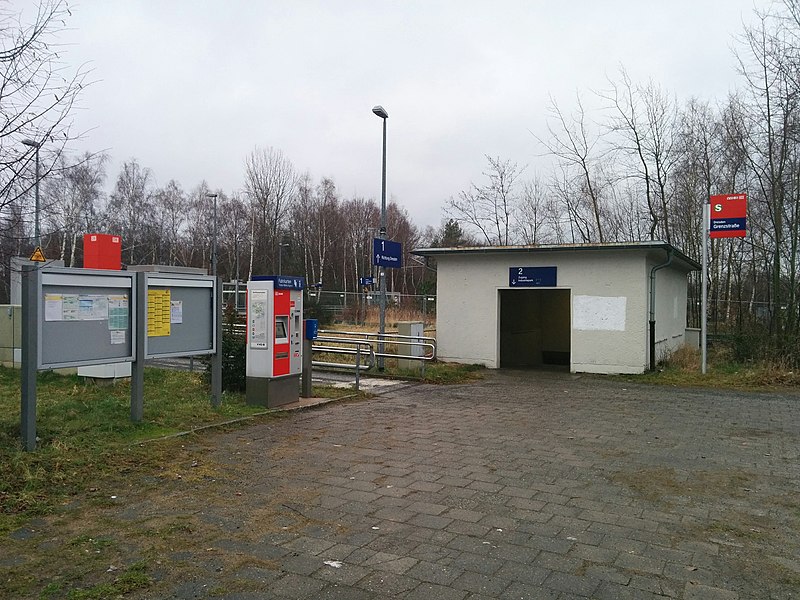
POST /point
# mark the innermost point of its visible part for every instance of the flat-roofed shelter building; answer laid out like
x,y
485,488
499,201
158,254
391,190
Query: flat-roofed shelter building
x,y
596,308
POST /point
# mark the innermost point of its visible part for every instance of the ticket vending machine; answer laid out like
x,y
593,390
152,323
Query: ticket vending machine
x,y
274,340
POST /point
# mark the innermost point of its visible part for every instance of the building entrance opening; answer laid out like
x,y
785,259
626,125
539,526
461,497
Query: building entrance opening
x,y
535,328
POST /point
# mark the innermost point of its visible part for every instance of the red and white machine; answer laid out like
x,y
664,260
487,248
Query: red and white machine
x,y
274,339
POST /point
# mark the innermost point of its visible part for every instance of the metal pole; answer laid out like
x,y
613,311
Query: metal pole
x,y
36,216
280,259
305,382
140,334
236,286
214,249
358,366
382,270
704,288
216,358
30,356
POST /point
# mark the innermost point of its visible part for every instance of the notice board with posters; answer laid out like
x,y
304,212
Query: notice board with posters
x,y
180,313
86,317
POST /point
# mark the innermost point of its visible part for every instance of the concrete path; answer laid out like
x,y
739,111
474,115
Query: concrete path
x,y
523,486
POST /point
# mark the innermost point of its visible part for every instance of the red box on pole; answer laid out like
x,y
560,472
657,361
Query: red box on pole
x,y
102,251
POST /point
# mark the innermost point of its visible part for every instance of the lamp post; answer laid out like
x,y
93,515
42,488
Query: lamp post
x,y
216,359
281,246
214,237
36,237
381,112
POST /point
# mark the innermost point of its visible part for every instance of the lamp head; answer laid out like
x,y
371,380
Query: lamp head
x,y
381,112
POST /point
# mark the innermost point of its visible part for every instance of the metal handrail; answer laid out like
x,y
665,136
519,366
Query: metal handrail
x,y
393,338
339,350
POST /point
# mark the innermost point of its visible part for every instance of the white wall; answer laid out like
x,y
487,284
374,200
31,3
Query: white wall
x,y
671,291
608,290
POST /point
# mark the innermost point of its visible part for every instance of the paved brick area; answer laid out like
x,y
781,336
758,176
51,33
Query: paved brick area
x,y
522,486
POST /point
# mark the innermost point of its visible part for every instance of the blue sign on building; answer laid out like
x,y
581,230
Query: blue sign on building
x,y
386,253
532,276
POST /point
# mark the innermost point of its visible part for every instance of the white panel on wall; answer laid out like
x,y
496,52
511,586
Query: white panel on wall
x,y
599,313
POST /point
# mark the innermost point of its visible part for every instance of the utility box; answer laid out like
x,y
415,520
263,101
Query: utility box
x,y
413,329
102,251
274,340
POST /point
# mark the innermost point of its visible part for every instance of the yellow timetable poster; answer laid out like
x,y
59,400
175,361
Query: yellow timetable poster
x,y
158,312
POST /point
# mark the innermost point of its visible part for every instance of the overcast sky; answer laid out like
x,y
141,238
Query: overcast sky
x,y
189,88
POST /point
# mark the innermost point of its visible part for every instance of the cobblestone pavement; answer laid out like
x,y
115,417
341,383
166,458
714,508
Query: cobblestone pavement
x,y
526,485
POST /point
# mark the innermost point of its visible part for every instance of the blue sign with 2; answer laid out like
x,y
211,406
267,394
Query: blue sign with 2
x,y
386,253
532,276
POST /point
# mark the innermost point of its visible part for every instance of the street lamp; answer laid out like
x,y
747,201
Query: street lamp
x,y
216,359
281,246
36,145
214,239
381,112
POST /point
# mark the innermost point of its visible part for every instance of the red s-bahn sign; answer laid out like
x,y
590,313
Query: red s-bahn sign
x,y
728,216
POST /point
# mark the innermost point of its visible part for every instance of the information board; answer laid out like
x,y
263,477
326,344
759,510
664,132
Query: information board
x,y
86,318
180,315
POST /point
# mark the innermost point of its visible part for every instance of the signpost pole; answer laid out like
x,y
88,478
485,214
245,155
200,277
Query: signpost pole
x,y
216,358
704,286
30,353
140,333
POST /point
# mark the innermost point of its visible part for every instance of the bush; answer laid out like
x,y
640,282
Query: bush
x,y
234,355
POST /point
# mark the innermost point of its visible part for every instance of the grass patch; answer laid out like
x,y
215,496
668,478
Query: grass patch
x,y
661,484
682,368
442,373
131,579
85,434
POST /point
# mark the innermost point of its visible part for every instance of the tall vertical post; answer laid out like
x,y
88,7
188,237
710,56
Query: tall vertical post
x,y
379,110
36,234
139,332
214,237
216,358
704,288
236,285
30,355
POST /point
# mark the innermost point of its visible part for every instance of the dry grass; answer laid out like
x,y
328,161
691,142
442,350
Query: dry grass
x,y
682,368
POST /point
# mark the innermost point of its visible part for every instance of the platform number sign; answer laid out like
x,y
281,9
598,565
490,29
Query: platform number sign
x,y
532,276
386,253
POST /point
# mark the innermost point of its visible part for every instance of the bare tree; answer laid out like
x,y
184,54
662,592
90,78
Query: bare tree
x,y
270,185
73,194
489,208
577,149
37,94
130,208
171,208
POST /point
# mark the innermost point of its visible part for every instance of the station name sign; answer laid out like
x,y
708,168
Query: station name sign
x,y
728,216
283,282
532,276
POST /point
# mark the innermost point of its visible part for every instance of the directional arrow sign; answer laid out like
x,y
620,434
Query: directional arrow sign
x,y
386,253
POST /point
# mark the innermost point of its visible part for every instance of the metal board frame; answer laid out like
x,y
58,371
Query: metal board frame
x,y
56,340
193,337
